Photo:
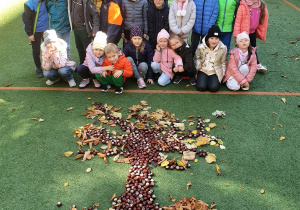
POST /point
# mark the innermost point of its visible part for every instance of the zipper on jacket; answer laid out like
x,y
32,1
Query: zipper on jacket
x,y
224,15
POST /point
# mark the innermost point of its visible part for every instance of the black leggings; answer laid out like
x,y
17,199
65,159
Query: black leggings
x,y
36,49
207,83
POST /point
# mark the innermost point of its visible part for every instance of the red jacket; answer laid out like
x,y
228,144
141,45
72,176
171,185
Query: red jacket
x,y
242,22
122,64
232,67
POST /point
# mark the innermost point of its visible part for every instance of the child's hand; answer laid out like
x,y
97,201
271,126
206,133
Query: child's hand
x,y
31,38
118,73
150,81
108,68
175,69
180,68
158,48
181,33
104,74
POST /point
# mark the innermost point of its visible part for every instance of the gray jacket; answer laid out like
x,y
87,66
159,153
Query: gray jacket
x,y
134,13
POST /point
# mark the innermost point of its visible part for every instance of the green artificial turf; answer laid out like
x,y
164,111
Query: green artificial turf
x,y
34,169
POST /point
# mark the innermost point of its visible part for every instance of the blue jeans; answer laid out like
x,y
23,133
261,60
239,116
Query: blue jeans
x,y
140,71
164,79
64,72
66,37
226,39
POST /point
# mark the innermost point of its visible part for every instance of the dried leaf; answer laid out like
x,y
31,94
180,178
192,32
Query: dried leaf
x,y
191,116
116,157
66,184
79,156
105,159
109,144
116,114
210,157
116,109
180,163
218,169
206,120
40,120
144,103
262,191
114,195
170,197
104,147
280,125
207,129
282,138
242,187
88,170
189,155
212,125
283,100
68,109
223,126
188,185
164,163
180,126
7,85
68,154
188,85
101,155
212,143
87,155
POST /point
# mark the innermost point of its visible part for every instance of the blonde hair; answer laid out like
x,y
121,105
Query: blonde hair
x,y
111,48
175,36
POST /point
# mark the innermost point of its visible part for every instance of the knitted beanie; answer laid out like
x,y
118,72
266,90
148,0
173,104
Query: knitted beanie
x,y
242,35
136,31
214,31
100,40
50,36
163,34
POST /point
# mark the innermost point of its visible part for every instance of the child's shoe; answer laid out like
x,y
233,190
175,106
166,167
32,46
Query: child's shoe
x,y
84,83
72,83
177,80
261,68
96,83
245,87
105,88
119,90
39,73
193,81
49,82
141,83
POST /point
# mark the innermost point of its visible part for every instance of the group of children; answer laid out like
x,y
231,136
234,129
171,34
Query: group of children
x,y
165,56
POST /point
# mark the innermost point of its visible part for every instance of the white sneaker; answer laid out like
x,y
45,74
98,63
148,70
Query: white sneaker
x,y
84,83
96,83
72,83
261,68
49,82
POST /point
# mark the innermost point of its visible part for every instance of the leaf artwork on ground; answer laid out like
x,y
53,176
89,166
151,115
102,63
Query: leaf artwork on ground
x,y
145,138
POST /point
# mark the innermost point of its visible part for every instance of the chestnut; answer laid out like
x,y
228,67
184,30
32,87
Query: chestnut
x,y
59,204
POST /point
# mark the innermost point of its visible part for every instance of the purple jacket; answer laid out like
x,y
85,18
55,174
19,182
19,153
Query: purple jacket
x,y
93,62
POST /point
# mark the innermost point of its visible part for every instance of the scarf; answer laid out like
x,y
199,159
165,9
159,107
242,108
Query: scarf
x,y
243,56
255,4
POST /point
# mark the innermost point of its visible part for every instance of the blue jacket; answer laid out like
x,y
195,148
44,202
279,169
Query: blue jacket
x,y
147,57
206,15
59,19
28,16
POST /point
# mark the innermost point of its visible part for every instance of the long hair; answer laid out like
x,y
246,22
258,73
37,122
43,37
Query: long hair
x,y
141,48
250,48
262,12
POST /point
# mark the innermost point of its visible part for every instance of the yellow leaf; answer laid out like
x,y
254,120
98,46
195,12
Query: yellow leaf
x,y
164,163
68,154
218,170
206,120
190,141
101,155
196,160
88,170
191,116
68,109
66,184
210,157
212,143
207,129
282,138
180,163
117,109
283,99
113,196
212,125
262,191
144,103
89,98
188,185
194,132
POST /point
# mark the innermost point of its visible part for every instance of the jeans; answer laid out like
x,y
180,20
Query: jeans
x,y
253,44
66,37
164,79
140,71
84,72
226,39
196,39
64,72
205,82
36,49
82,40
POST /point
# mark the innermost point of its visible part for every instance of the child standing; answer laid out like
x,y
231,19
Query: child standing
x,y
122,69
85,22
206,15
182,20
185,52
241,67
35,18
164,59
55,59
134,13
158,18
210,61
225,20
93,61
140,54
252,17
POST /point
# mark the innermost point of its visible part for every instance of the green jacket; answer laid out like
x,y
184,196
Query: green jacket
x,y
227,11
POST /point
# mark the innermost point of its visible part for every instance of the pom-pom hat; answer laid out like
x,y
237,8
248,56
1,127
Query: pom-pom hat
x,y
100,40
242,35
50,36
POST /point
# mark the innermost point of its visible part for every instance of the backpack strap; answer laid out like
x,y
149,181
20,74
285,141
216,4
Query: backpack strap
x,y
36,16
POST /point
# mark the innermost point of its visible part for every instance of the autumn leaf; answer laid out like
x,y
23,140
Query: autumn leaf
x,y
188,85
180,163
116,157
40,120
7,85
206,120
88,170
89,98
210,157
144,103
280,125
282,138
87,155
218,169
164,163
68,154
212,143
66,184
207,129
222,146
101,155
109,144
116,109
189,155
114,195
188,185
191,116
283,100
116,114
170,197
212,125
79,156
68,109
224,127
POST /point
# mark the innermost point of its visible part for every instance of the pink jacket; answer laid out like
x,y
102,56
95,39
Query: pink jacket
x,y
242,22
166,58
93,62
232,67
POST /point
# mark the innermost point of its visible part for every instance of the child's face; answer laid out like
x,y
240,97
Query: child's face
x,y
175,43
213,42
112,57
158,3
50,45
136,40
243,43
163,43
97,52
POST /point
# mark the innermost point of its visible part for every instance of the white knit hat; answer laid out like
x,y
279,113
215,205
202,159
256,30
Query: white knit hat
x,y
242,35
100,40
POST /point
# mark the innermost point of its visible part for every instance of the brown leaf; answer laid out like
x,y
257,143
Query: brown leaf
x,y
105,159
280,125
114,195
191,116
116,157
218,170
116,109
242,187
293,42
188,185
170,197
223,126
7,85
282,138
79,156
188,85
189,155
109,144
262,191
86,155
40,120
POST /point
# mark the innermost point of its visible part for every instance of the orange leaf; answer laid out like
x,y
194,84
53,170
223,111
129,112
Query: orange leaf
x,y
116,109
79,156
101,155
262,191
188,185
282,138
218,169
109,144
114,195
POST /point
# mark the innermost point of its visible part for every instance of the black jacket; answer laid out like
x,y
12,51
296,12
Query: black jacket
x,y
185,52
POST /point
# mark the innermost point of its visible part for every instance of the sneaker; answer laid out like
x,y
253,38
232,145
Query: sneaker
x,y
96,83
261,68
105,88
141,83
49,82
84,83
72,83
119,90
177,80
193,81
245,88
39,73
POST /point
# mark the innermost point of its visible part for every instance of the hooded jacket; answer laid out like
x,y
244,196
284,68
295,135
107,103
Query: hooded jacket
x,y
220,60
232,67
227,10
185,52
28,17
92,61
157,20
182,23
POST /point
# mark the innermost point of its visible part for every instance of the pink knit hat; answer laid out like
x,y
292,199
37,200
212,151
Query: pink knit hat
x,y
163,34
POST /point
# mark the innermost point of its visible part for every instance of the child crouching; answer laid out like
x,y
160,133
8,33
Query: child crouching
x,y
122,69
55,59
